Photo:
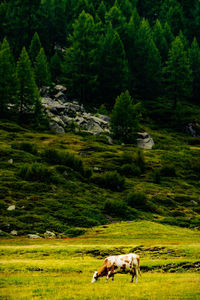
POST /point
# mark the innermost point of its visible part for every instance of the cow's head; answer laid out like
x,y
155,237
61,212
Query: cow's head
x,y
95,277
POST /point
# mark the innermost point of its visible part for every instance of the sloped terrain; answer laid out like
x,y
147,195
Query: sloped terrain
x,y
66,183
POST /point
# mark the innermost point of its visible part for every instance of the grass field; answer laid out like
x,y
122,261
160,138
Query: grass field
x,y
63,268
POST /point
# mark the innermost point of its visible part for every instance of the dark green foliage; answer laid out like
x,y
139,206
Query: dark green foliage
x,y
8,81
110,179
160,40
156,176
137,200
194,59
41,69
124,118
139,160
25,146
177,73
80,62
115,208
168,170
113,71
28,92
34,48
36,172
55,66
74,232
130,170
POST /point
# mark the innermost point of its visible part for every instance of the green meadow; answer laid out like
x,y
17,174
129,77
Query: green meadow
x,y
63,268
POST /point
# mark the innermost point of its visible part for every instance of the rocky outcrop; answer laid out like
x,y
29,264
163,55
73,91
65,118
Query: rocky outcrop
x,y
64,114
193,129
144,140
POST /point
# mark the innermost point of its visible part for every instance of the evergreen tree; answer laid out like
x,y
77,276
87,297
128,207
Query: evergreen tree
x,y
41,69
124,118
117,19
113,72
177,73
194,58
146,65
80,60
8,82
28,92
55,66
183,40
101,11
159,39
168,34
35,47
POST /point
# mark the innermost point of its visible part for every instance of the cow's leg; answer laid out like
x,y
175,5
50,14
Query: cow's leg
x,y
136,275
109,275
133,274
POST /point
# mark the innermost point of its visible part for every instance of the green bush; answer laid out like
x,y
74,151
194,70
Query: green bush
x,y
74,232
168,170
28,147
115,208
65,158
156,177
137,199
36,172
111,180
140,160
130,170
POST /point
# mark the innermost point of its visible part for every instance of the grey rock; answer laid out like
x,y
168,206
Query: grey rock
x,y
10,161
49,234
56,128
14,232
144,141
60,88
193,129
11,207
34,236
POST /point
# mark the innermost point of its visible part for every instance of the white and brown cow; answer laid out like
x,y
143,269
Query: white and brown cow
x,y
127,263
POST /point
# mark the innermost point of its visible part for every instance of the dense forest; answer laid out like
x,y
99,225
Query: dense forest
x,y
99,49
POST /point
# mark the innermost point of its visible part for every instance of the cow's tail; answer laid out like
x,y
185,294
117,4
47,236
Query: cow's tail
x,y
138,266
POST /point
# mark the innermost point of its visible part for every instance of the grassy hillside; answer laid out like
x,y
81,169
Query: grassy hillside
x,y
66,183
63,268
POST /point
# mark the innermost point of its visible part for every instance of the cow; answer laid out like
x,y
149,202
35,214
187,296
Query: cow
x,y
126,263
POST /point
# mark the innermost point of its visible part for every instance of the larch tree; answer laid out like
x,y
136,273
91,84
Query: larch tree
x,y
194,59
41,69
177,74
8,82
28,92
35,47
80,59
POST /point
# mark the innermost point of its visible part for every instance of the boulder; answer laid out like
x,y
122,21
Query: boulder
x,y
56,128
49,234
14,232
11,207
193,129
144,140
10,161
34,236
60,88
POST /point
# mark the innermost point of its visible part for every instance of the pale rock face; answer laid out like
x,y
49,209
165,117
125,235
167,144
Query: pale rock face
x,y
144,141
49,234
34,236
14,232
11,207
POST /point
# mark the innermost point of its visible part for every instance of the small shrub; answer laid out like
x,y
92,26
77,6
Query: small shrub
x,y
115,208
24,146
137,199
113,180
63,158
74,232
168,170
140,160
127,158
156,177
130,170
36,172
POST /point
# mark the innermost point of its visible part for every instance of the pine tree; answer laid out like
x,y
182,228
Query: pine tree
x,y
35,47
124,118
41,69
159,39
28,92
113,73
80,60
146,65
101,11
177,73
55,66
194,58
117,19
8,82
168,34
